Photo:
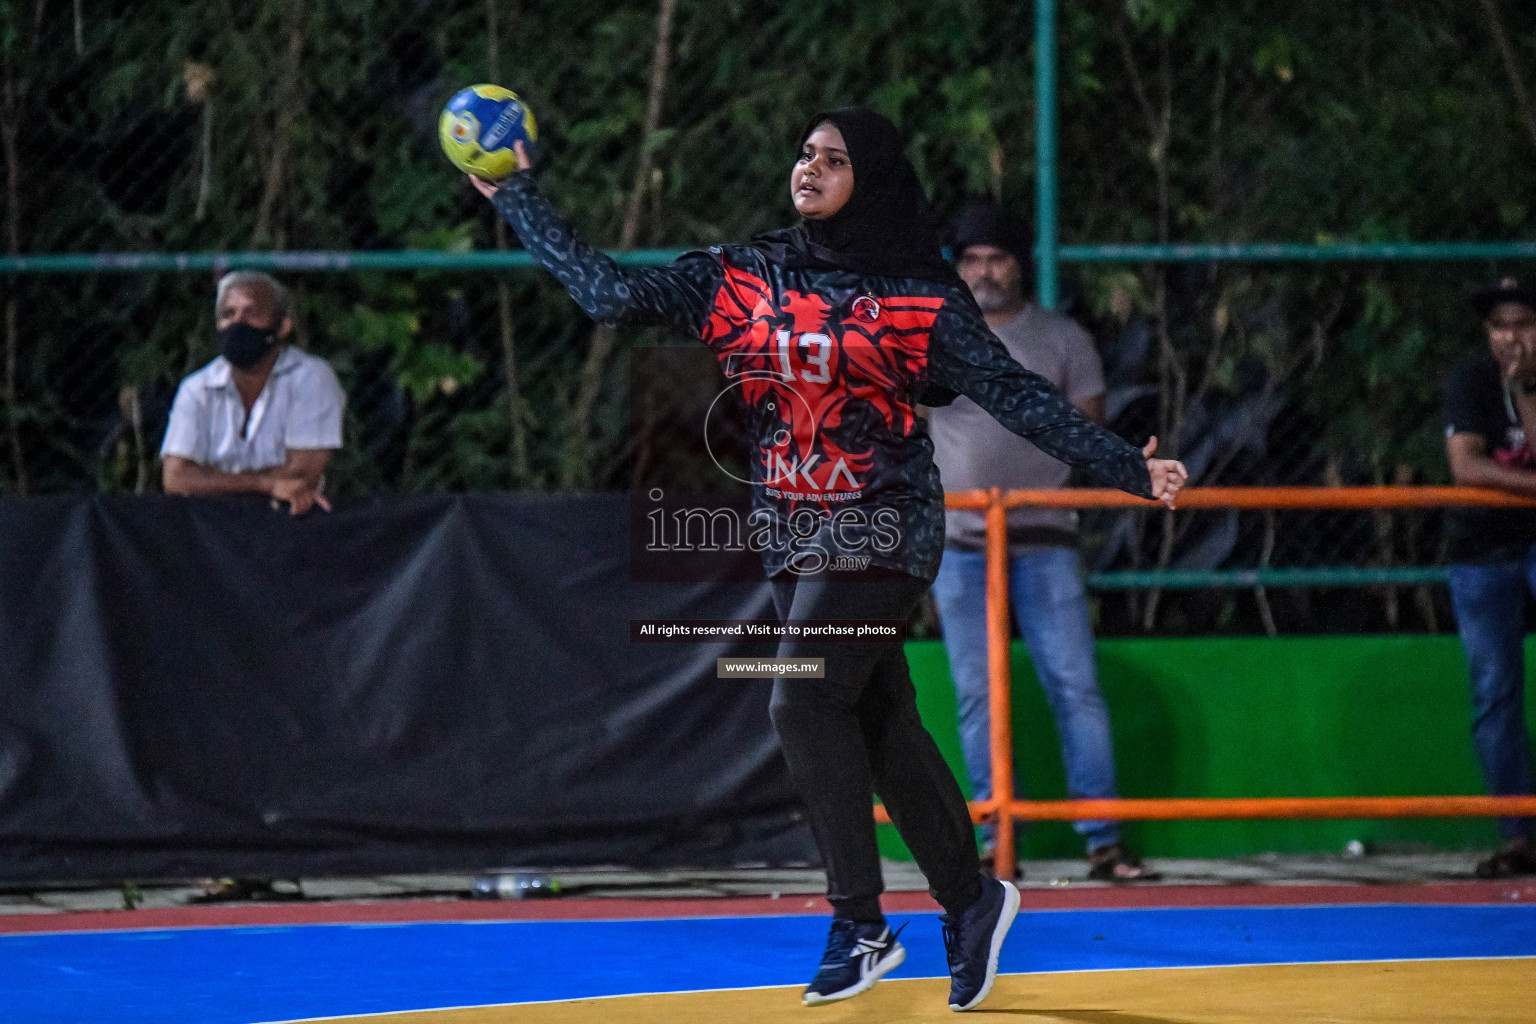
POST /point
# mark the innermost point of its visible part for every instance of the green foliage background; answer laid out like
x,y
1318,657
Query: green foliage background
x,y
309,124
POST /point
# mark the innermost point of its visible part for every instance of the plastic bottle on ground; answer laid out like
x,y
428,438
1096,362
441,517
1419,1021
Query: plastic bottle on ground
x,y
515,886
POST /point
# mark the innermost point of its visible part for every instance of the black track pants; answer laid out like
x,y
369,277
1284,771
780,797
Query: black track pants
x,y
857,733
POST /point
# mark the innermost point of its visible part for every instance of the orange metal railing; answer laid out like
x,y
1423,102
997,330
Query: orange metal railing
x,y
1004,808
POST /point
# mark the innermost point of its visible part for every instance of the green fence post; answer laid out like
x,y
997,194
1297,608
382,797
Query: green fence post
x,y
1045,152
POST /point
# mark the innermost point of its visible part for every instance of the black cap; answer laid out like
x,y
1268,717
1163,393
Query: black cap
x,y
1505,289
985,223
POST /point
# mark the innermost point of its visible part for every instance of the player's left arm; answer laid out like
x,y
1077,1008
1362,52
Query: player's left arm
x,y
965,356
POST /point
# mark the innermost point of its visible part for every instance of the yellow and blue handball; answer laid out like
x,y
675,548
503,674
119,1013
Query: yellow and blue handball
x,y
479,126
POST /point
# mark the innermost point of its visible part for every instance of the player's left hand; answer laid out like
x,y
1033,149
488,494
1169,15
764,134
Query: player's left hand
x,y
1168,475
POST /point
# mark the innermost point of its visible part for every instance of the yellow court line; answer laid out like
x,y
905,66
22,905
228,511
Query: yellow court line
x,y
1492,991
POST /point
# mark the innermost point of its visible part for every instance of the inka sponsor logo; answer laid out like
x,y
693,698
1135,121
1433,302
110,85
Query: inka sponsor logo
x,y
791,475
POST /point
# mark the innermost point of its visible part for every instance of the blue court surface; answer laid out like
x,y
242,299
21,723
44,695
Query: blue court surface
x,y
243,975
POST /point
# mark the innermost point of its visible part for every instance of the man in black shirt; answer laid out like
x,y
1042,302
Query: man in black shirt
x,y
1490,412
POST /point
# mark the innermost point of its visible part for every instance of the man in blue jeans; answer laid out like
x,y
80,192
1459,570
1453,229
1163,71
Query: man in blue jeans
x,y
1045,574
1490,412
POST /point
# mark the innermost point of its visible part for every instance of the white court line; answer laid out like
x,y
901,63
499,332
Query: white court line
x,y
930,977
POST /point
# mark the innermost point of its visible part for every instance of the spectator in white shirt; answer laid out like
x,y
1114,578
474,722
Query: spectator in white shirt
x,y
263,417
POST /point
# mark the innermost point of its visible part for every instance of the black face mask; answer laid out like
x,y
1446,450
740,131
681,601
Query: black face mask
x,y
244,345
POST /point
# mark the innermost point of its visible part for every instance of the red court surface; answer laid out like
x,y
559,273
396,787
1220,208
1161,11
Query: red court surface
x,y
580,909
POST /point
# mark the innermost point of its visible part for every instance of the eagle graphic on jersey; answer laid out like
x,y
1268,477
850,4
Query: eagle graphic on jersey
x,y
821,384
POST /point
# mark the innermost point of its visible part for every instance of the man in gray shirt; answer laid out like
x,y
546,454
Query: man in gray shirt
x,y
1045,573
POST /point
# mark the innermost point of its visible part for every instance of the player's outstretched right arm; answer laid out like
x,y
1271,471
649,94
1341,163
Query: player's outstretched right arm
x,y
679,295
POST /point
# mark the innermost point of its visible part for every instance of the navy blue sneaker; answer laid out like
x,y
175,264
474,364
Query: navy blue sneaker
x,y
857,956
973,942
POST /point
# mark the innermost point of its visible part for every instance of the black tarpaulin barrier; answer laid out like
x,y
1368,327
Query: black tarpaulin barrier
x,y
196,687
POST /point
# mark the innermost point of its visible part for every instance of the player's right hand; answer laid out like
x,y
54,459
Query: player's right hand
x,y
488,188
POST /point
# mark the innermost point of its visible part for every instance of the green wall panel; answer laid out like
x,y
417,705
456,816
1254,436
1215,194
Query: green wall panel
x,y
1298,716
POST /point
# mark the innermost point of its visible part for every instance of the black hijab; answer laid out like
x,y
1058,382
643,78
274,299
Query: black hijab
x,y
884,229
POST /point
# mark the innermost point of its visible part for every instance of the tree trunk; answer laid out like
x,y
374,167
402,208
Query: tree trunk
x,y
577,471
1260,595
18,465
287,103
1523,106
14,89
1173,384
1381,527
205,158
518,421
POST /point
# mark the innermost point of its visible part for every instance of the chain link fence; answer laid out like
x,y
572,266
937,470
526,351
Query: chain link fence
x,y
1277,375
300,125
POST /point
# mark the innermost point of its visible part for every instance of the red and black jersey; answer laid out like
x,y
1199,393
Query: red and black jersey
x,y
832,365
